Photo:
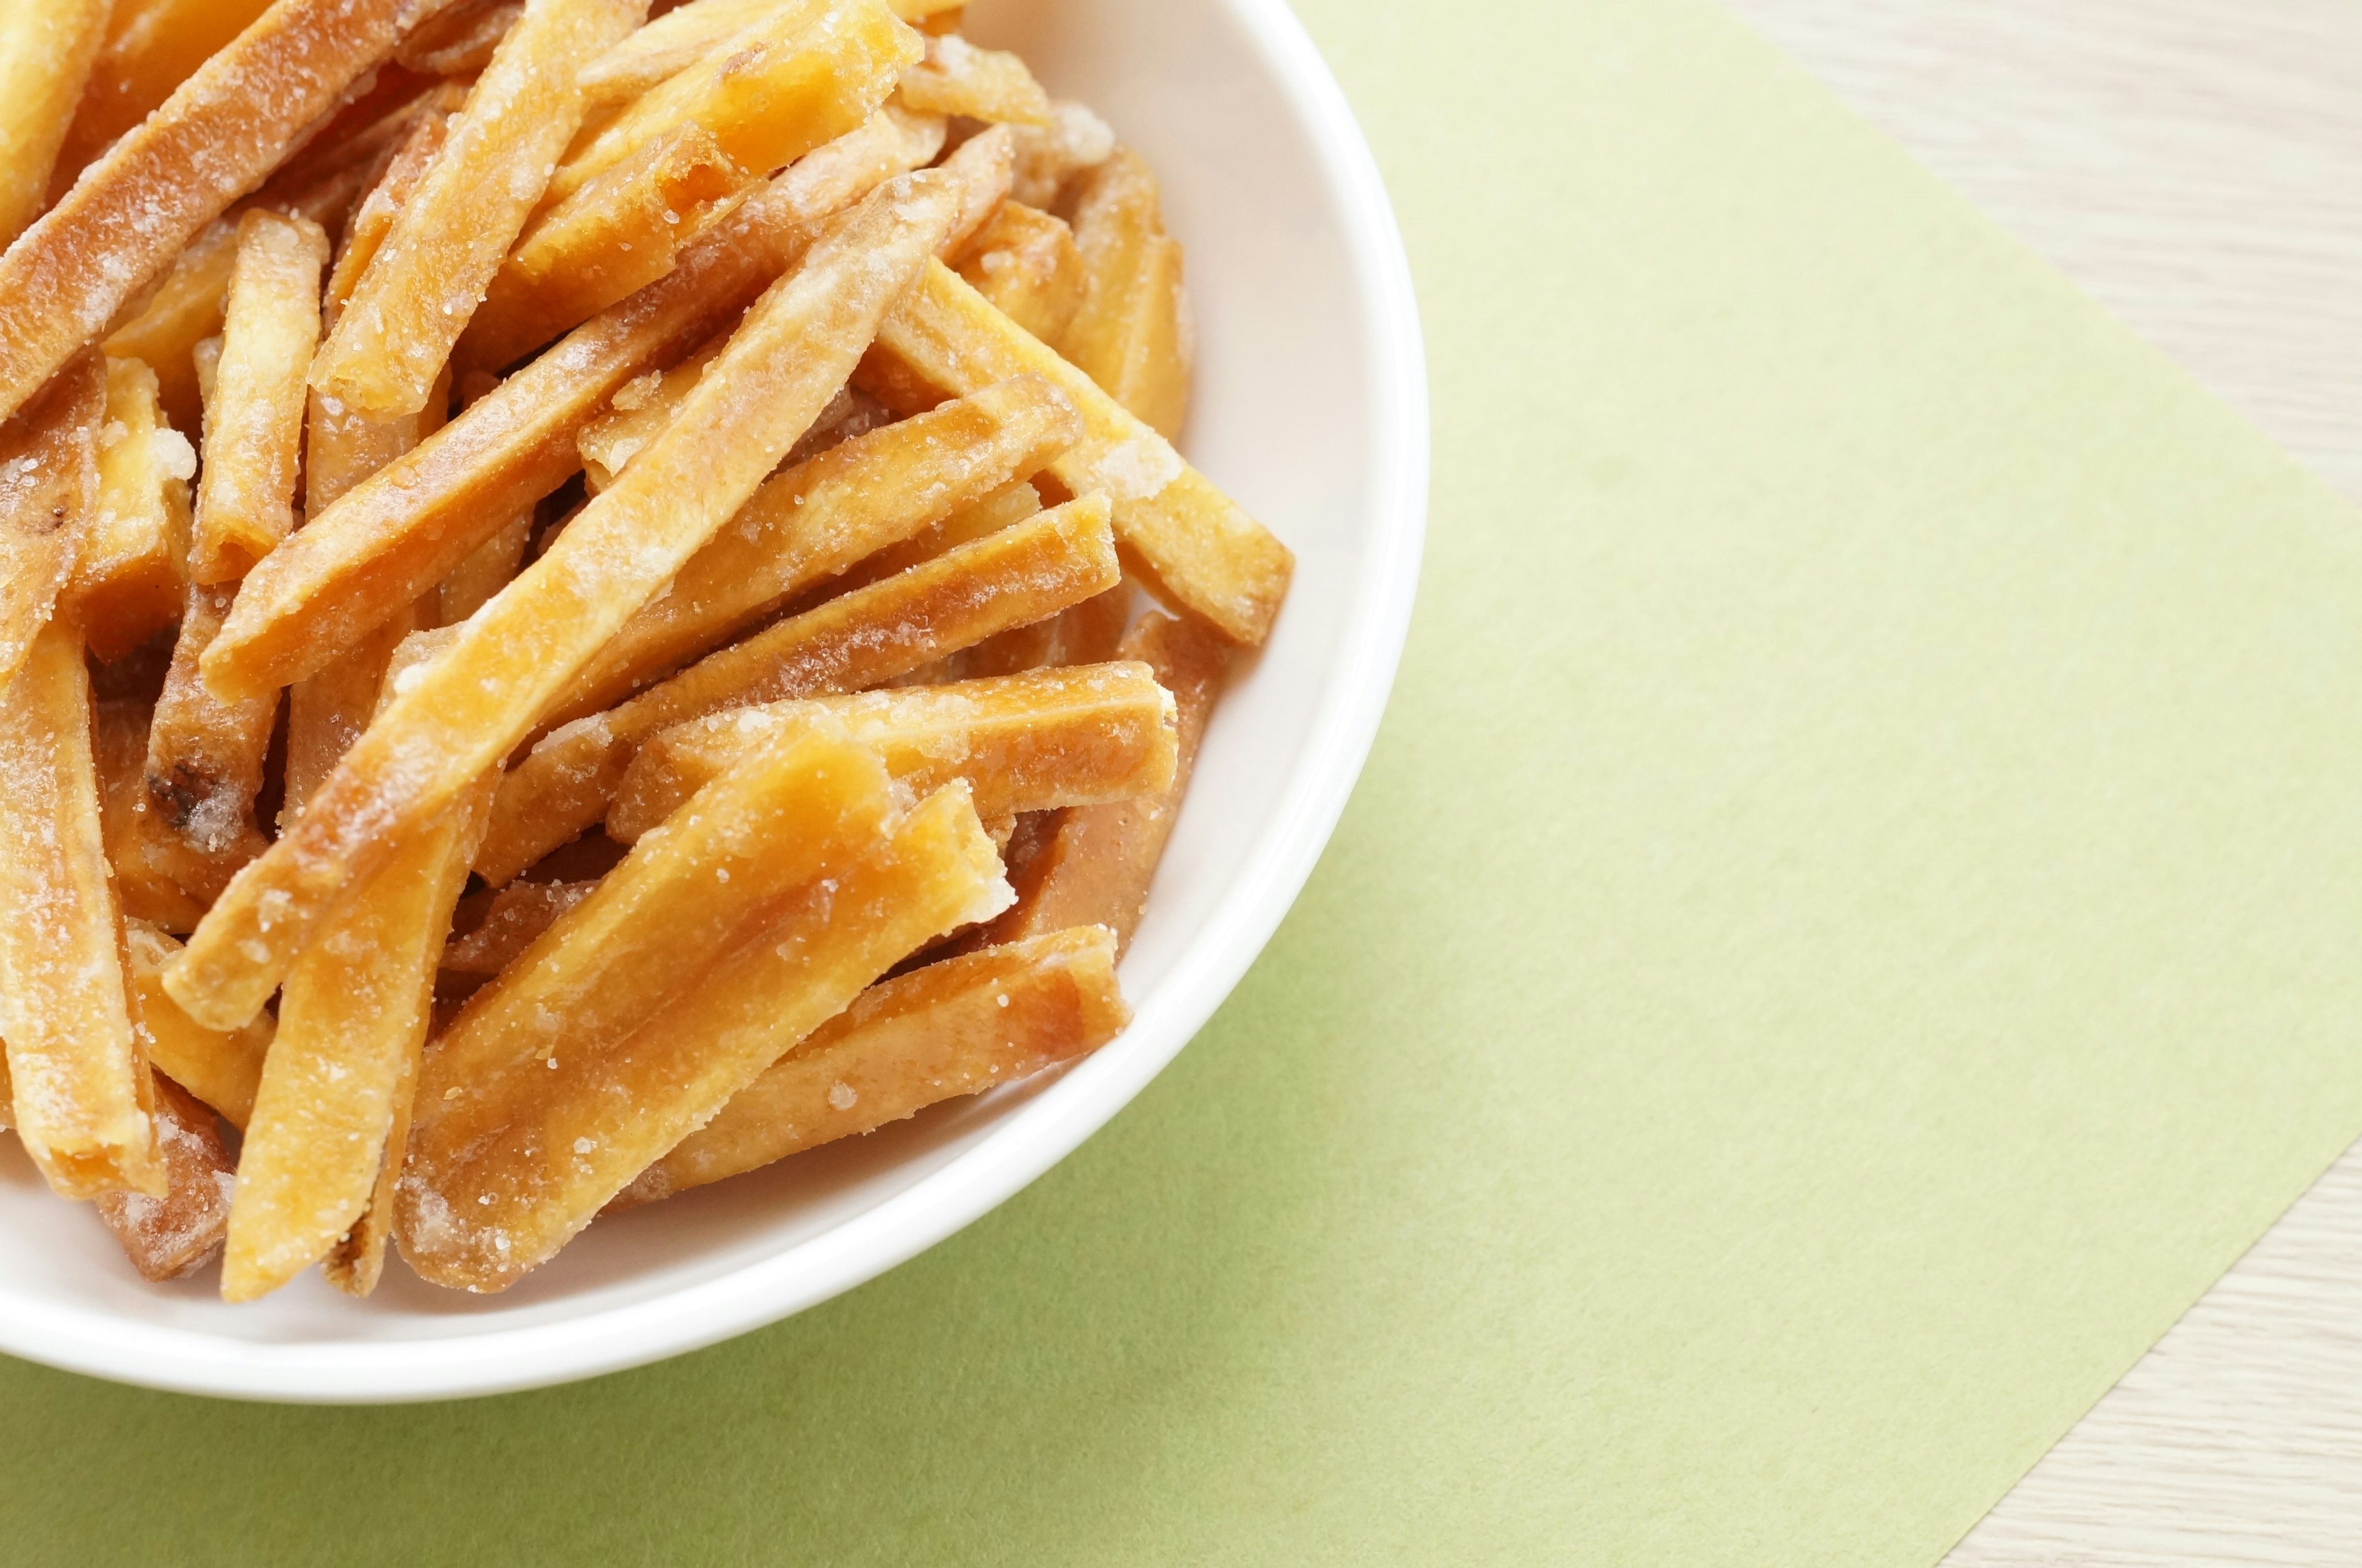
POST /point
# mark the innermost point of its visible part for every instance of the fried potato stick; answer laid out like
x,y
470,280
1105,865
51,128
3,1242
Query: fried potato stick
x,y
394,337
1025,263
957,78
131,573
47,50
48,487
82,1088
1131,332
151,47
514,920
221,1068
861,639
211,142
958,1027
1050,155
520,651
1192,544
1024,743
395,537
461,39
149,864
205,755
537,1160
177,1235
686,34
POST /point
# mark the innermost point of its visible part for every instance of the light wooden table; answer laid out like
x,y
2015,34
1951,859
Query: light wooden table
x,y
2196,165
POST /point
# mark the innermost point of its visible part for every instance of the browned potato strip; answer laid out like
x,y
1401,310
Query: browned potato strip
x,y
214,140
1130,334
49,488
1004,508
957,78
373,219
204,755
1098,862
823,515
150,863
221,1068
327,710
47,50
520,912
177,1235
81,1087
523,649
1192,544
1049,156
643,406
131,573
1024,743
394,539
521,1159
460,41
254,414
151,47
1025,263
958,1027
861,639
395,335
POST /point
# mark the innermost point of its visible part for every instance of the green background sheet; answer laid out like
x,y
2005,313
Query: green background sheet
x,y
1851,926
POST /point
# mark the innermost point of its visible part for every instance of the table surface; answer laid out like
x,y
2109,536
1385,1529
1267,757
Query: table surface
x,y
2196,166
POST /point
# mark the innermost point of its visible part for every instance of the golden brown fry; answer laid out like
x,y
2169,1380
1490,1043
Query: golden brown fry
x,y
823,515
205,755
669,46
642,407
1025,263
516,655
149,864
957,78
460,41
505,1172
1131,332
1049,156
394,539
514,920
131,572
955,1028
151,47
177,1235
254,416
397,332
214,140
859,640
1024,743
47,50
1100,860
221,1068
82,1088
49,488
1004,508
1191,544
1086,634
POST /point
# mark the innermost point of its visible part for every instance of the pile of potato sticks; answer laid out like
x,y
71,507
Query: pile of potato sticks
x,y
567,627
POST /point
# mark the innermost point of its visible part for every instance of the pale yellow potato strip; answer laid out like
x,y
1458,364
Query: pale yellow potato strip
x,y
480,1214
81,1086
1049,156
396,334
205,755
395,537
47,50
1025,263
131,572
516,655
686,34
1130,332
49,488
211,142
177,1235
861,639
1192,544
957,78
254,414
1024,743
221,1068
958,1027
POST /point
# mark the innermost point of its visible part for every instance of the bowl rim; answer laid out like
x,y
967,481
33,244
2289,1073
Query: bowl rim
x,y
1053,1123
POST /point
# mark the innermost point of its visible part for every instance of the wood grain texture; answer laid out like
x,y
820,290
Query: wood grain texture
x,y
2196,166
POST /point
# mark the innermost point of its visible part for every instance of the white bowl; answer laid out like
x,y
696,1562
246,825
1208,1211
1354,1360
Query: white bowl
x,y
1310,408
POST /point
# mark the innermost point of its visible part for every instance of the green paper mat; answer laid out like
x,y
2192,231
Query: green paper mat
x,y
1849,927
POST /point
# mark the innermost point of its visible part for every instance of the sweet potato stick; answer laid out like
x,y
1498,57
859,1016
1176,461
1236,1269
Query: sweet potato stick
x,y
151,47
461,39
686,34
351,1021
210,143
204,755
149,864
1100,860
642,408
520,651
1087,634
394,337
1025,263
511,1168
821,516
131,573
1191,542
81,1086
1004,508
1130,334
520,912
957,78
177,1235
221,1068
395,537
48,487
47,50
1024,743
861,639
955,1028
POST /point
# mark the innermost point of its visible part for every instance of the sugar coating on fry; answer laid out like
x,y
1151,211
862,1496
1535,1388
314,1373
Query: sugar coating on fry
x,y
687,34
513,921
48,486
211,142
519,651
954,1028
1025,263
151,47
205,755
1193,545
177,1235
1049,156
547,1156
861,639
1130,333
130,574
1100,860
957,78
1024,743
47,50
254,414
81,1089
395,537
461,39
221,1068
